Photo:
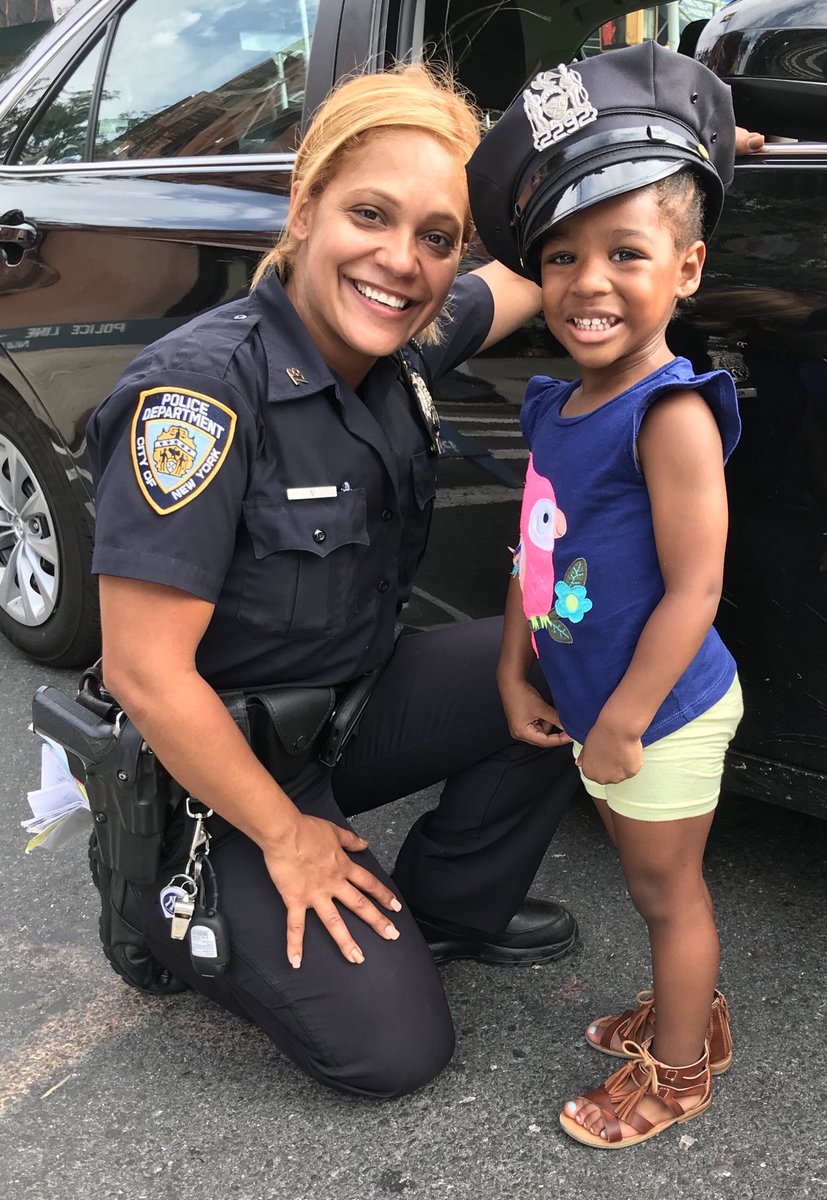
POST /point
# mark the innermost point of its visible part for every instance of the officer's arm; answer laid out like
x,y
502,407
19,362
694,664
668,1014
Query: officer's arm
x,y
515,300
150,636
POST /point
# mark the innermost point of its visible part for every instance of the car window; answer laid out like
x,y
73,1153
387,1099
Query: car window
x,y
677,26
491,48
59,136
211,78
214,78
495,48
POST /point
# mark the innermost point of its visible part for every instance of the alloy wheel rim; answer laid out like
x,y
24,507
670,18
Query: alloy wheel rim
x,y
29,558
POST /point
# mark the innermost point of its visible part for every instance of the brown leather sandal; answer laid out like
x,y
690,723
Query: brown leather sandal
x,y
608,1034
619,1098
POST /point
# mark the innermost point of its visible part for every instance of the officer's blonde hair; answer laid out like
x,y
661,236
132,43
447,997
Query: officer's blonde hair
x,y
404,97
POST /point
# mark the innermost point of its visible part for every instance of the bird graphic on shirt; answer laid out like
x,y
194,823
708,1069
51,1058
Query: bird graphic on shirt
x,y
541,523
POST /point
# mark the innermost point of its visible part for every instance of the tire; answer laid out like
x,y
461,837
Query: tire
x,y
48,598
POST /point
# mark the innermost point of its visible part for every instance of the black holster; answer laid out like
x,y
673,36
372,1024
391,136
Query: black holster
x,y
133,802
133,799
131,796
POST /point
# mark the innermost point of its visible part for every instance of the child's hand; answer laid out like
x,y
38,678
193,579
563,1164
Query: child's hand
x,y
530,718
610,755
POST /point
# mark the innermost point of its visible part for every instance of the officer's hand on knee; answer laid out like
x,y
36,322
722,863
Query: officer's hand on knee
x,y
311,868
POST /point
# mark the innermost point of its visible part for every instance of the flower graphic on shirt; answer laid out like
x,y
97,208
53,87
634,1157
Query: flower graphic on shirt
x,y
572,602
571,605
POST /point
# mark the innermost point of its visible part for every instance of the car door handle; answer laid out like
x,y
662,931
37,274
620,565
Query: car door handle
x,y
17,235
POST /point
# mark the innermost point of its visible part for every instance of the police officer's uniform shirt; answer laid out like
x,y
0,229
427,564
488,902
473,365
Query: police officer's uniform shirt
x,y
231,462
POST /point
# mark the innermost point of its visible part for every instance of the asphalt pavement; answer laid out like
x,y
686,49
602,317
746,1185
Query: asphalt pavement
x,y
106,1093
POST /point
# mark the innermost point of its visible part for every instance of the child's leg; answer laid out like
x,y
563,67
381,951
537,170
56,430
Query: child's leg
x,y
606,817
661,819
663,865
662,861
593,1033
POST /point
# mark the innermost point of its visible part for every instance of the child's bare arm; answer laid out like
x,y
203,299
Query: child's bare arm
x,y
530,718
680,452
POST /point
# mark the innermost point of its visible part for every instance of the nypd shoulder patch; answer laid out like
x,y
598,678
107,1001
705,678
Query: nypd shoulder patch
x,y
179,444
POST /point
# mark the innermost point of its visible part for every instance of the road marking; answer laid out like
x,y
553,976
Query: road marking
x,y
456,613
490,433
473,420
65,1040
494,494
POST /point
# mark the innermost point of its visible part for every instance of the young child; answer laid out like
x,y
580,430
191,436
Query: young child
x,y
601,183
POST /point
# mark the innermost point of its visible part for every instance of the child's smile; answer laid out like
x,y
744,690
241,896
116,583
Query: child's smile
x,y
590,329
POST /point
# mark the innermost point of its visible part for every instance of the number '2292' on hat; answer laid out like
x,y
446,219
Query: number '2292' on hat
x,y
581,133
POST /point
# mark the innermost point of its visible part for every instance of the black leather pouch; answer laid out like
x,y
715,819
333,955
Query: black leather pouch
x,y
282,725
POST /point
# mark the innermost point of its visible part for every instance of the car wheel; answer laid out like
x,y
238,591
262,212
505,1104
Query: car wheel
x,y
48,598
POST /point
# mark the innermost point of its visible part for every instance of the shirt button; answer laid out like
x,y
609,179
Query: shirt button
x,y
386,514
319,535
383,585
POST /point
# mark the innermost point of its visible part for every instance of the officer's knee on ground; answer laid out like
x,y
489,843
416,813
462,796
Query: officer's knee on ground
x,y
396,1061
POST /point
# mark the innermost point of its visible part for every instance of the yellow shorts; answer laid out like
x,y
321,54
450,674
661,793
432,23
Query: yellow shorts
x,y
681,773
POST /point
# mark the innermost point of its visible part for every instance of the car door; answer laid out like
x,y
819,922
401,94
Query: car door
x,y
147,157
151,176
760,313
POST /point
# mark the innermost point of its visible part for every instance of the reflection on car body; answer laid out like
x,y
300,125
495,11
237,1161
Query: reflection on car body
x,y
138,196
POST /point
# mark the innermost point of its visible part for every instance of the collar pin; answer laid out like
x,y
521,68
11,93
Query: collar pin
x,y
294,374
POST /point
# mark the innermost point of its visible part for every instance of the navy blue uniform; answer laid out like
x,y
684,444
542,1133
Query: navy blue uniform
x,y
232,463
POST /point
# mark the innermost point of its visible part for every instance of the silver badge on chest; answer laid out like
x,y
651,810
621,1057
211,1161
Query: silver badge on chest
x,y
557,104
425,402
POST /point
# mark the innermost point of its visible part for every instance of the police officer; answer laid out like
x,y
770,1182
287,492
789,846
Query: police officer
x,y
265,480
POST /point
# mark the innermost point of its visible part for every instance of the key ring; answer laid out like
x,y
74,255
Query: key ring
x,y
187,883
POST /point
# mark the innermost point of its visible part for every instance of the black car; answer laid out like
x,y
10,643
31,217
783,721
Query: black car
x,y
146,152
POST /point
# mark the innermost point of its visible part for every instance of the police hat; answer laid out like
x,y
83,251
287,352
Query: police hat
x,y
581,133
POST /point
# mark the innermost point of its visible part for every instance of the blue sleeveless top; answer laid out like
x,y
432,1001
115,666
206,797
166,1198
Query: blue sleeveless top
x,y
588,562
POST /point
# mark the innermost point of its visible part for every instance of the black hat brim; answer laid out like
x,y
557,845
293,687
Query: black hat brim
x,y
616,179
619,161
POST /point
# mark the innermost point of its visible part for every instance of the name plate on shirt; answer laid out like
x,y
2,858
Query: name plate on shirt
x,y
312,493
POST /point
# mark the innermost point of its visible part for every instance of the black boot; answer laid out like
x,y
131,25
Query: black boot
x,y
539,932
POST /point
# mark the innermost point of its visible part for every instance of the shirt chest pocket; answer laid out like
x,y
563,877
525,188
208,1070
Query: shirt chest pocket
x,y
304,578
423,478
